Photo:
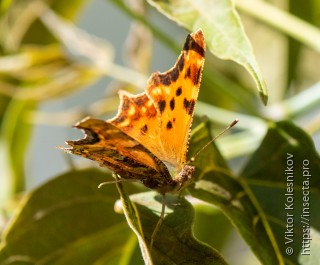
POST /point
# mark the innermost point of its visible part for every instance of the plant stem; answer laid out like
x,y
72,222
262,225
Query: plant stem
x,y
283,21
126,75
225,117
296,105
155,30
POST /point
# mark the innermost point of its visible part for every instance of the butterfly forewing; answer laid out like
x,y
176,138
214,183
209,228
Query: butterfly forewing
x,y
174,94
161,117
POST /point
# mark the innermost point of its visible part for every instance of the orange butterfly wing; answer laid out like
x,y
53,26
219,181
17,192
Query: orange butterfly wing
x,y
161,117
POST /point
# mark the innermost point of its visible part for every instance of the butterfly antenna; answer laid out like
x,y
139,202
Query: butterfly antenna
x,y
155,231
225,130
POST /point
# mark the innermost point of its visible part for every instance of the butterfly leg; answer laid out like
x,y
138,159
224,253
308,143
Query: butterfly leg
x,y
118,180
155,231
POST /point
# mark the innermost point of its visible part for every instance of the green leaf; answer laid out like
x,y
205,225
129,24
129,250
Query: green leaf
x,y
223,30
69,221
174,242
14,137
208,159
218,186
270,175
216,222
133,220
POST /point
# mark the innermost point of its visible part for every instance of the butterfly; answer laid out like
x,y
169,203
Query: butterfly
x,y
148,138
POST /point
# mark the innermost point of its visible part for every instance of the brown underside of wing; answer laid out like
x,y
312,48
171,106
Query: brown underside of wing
x,y
112,148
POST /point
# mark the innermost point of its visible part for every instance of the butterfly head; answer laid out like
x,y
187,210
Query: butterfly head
x,y
173,185
184,177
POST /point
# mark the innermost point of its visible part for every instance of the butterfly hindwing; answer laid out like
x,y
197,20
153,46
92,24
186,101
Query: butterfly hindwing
x,y
138,118
114,149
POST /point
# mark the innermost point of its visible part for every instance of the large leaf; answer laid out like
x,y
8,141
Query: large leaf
x,y
218,186
70,221
174,242
223,30
287,167
133,220
208,216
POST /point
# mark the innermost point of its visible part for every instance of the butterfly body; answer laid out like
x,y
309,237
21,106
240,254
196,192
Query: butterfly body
x,y
148,139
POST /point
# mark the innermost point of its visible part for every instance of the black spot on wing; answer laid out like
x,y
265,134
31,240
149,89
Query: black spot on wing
x,y
144,129
155,78
197,78
180,63
172,103
125,103
169,125
188,74
191,44
165,79
178,91
162,105
140,101
189,105
121,118
174,74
